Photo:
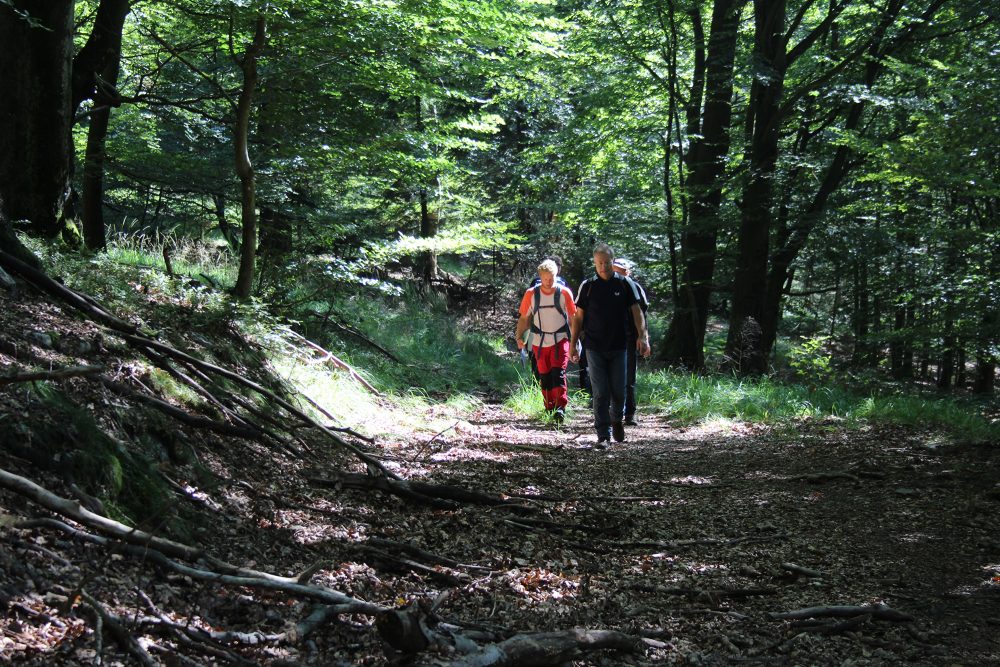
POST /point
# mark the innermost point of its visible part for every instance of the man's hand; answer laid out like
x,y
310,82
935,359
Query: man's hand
x,y
574,352
643,346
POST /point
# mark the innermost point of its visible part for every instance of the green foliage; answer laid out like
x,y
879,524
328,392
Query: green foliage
x,y
437,353
810,359
531,128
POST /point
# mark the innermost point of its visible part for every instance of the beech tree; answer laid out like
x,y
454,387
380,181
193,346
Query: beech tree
x,y
35,112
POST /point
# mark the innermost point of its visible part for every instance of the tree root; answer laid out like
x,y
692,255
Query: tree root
x,y
413,630
879,611
118,631
436,495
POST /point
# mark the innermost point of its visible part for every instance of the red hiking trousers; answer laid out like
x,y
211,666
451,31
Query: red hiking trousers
x,y
552,361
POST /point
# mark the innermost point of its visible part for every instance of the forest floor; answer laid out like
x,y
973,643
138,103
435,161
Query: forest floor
x,y
693,538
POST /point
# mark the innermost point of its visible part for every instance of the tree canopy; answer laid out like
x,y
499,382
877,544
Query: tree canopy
x,y
785,165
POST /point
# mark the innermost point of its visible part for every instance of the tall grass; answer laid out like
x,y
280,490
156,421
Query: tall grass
x,y
189,257
437,356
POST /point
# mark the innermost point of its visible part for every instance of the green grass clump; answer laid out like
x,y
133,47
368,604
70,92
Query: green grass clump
x,y
436,353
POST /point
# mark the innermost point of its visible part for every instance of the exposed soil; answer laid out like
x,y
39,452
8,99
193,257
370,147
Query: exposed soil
x,y
689,537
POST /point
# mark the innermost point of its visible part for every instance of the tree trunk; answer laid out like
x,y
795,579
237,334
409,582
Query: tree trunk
x,y
795,239
428,230
747,353
228,233
36,151
860,314
946,368
686,337
986,370
244,168
103,54
428,221
896,341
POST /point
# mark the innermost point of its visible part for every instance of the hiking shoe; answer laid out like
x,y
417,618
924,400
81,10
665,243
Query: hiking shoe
x,y
602,443
618,431
630,420
558,417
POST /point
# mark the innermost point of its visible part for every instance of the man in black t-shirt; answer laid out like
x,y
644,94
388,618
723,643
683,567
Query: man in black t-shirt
x,y
601,318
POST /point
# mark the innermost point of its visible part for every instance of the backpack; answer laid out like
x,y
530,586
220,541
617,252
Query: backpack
x,y
556,303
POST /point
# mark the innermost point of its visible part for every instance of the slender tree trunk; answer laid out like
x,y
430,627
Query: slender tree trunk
x,y
946,366
669,200
428,230
686,337
908,348
861,314
428,221
986,359
244,167
106,39
36,151
896,341
747,353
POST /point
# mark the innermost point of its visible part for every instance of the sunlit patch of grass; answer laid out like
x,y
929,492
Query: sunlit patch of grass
x,y
334,391
169,386
526,396
690,398
189,257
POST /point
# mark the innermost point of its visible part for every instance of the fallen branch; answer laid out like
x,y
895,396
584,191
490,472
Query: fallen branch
x,y
424,555
373,465
249,578
704,541
357,334
158,548
826,476
835,627
433,438
118,631
55,374
131,334
547,648
180,415
192,637
337,362
60,291
804,571
73,510
878,611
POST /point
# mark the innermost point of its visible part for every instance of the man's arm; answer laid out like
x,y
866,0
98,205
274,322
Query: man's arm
x,y
642,344
575,325
522,326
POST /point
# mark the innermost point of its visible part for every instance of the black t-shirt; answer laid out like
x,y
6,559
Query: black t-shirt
x,y
605,306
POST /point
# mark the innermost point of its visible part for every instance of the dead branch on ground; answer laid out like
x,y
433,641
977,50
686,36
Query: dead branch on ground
x,y
878,611
54,374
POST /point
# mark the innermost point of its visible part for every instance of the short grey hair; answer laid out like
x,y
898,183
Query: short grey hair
x,y
548,266
604,249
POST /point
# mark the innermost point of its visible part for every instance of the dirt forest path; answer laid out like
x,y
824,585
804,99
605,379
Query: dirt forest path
x,y
699,537
696,539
